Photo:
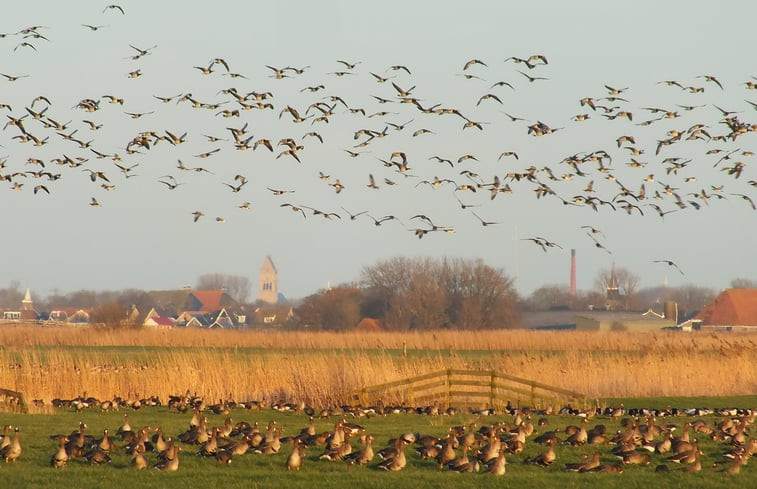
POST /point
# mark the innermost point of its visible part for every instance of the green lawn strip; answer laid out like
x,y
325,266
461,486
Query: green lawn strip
x,y
747,402
251,470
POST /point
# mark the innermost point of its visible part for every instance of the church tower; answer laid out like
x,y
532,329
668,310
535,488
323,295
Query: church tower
x,y
269,282
613,291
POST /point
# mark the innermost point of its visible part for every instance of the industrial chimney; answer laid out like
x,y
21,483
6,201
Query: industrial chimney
x,y
573,272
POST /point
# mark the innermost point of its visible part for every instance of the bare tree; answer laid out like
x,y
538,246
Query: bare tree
x,y
110,314
743,283
237,286
626,281
550,297
11,296
334,309
422,293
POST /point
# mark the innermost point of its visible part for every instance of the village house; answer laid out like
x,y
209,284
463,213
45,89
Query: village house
x,y
731,310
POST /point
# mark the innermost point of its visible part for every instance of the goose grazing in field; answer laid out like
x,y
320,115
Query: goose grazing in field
x,y
548,457
209,448
294,460
5,440
78,440
463,463
124,428
60,458
338,451
397,462
97,456
12,451
364,456
105,443
169,464
139,461
498,465
170,452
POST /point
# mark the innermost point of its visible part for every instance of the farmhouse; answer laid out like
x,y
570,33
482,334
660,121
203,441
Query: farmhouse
x,y
621,321
732,309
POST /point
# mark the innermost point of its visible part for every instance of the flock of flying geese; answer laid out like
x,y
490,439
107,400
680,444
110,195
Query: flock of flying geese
x,y
643,438
630,175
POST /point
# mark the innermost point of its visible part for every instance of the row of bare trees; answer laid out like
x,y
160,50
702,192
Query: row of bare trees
x,y
690,298
419,294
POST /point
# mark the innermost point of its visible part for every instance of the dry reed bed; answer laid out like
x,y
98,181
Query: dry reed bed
x,y
271,366
445,340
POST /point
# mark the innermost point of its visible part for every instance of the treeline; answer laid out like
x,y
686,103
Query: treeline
x,y
418,294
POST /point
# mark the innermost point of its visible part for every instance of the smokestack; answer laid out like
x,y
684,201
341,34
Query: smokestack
x,y
573,272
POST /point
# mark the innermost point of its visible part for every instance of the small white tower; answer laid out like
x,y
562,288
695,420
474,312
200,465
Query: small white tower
x,y
26,304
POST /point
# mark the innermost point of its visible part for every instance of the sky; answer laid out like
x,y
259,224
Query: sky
x,y
143,233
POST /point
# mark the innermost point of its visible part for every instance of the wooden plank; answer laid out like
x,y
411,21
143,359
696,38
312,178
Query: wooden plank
x,y
514,389
405,382
431,385
475,383
537,384
471,373
470,394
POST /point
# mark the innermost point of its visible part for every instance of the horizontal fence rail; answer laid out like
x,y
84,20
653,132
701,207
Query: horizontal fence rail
x,y
466,388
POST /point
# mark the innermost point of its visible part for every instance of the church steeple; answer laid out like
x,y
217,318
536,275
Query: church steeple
x,y
26,304
269,282
613,291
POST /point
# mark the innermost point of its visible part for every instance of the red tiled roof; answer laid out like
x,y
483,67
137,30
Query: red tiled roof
x,y
210,299
369,324
733,307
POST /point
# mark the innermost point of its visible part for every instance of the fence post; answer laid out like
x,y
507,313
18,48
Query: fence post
x,y
491,390
449,388
533,395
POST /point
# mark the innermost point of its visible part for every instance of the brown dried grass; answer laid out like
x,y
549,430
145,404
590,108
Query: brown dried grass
x,y
64,362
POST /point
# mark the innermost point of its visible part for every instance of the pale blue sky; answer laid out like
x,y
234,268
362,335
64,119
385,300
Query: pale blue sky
x,y
143,235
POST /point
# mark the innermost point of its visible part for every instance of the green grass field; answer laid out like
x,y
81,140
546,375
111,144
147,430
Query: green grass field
x,y
253,470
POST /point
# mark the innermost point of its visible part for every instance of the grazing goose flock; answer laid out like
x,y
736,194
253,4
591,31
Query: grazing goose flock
x,y
665,440
353,142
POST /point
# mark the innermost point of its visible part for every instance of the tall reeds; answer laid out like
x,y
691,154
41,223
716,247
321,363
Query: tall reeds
x,y
318,368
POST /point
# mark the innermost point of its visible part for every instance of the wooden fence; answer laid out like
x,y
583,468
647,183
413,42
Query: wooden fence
x,y
12,401
467,388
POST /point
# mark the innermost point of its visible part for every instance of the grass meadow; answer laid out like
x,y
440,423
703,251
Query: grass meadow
x,y
263,471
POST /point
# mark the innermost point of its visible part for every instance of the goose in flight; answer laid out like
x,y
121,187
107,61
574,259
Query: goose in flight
x,y
350,66
294,208
114,7
544,243
669,263
483,222
12,78
473,62
530,78
381,79
353,216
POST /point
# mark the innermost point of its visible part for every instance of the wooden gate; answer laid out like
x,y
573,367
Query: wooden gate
x,y
466,388
12,401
